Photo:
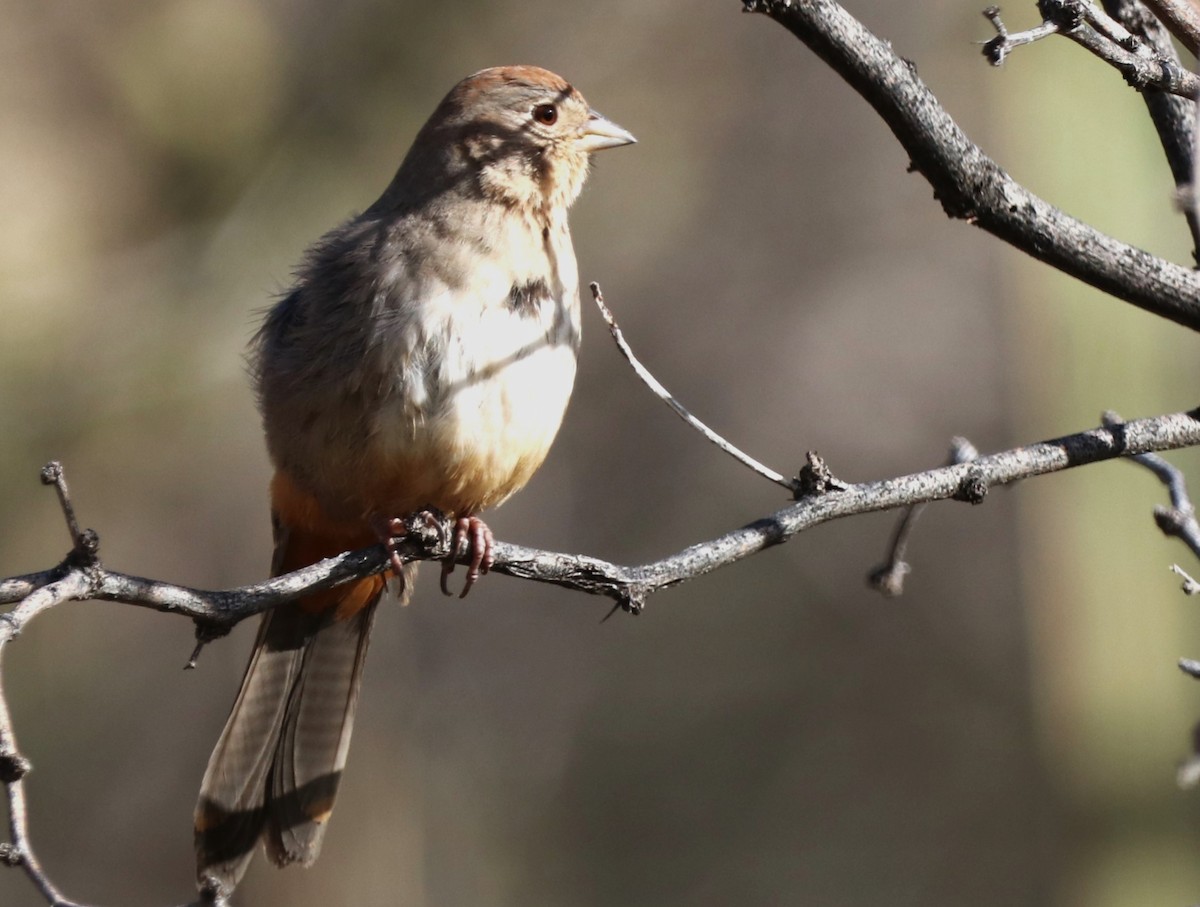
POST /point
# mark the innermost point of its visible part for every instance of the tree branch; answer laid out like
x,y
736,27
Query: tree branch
x,y
970,185
1145,66
627,585
82,576
1174,117
1182,19
1178,520
657,388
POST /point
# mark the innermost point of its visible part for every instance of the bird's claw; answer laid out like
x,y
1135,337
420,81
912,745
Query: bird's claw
x,y
479,539
391,530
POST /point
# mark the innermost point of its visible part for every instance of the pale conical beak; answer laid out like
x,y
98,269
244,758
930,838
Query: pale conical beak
x,y
600,133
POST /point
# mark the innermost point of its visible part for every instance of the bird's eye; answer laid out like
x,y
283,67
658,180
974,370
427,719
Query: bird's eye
x,y
546,114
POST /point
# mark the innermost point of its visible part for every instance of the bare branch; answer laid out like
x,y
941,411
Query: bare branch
x,y
1143,66
676,407
1182,19
628,585
998,49
1174,117
84,577
18,852
969,184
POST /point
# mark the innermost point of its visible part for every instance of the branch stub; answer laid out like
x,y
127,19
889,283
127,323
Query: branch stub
x,y
973,488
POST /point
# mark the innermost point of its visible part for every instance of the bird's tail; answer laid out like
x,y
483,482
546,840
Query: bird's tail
x,y
274,772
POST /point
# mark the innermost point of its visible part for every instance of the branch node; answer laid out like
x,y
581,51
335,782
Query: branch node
x,y
1189,585
86,553
206,631
815,478
1068,15
11,855
888,579
973,488
1169,520
52,473
212,893
13,767
962,450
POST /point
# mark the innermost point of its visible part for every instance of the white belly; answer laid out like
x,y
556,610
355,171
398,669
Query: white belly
x,y
480,401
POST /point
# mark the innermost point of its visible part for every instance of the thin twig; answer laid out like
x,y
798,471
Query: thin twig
x,y
1109,27
999,47
678,408
1178,520
81,541
1102,35
19,850
1190,586
888,577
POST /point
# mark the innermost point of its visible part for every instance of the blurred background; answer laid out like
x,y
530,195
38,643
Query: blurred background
x,y
1006,733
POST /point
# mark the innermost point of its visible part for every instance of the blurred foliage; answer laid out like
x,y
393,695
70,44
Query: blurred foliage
x,y
1004,734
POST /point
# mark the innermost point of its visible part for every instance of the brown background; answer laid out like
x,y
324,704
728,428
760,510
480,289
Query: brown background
x,y
773,734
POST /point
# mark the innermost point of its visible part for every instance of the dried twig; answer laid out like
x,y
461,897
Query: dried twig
x,y
888,577
998,49
1190,586
676,407
1178,520
1090,27
45,591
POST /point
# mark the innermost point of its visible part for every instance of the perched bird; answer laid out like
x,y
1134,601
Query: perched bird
x,y
423,359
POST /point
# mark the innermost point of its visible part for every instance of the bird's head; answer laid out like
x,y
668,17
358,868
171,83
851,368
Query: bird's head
x,y
522,135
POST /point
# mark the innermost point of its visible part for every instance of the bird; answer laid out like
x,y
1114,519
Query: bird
x,y
420,362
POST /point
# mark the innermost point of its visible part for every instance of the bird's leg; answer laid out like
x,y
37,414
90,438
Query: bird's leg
x,y
480,541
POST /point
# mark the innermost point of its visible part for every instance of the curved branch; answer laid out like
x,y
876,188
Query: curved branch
x,y
969,184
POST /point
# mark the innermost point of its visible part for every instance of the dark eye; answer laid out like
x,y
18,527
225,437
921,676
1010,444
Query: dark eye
x,y
546,114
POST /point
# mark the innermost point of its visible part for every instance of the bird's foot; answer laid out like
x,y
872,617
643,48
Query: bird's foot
x,y
479,539
391,530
